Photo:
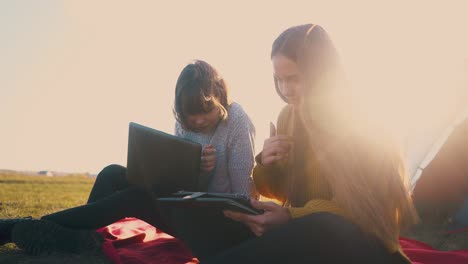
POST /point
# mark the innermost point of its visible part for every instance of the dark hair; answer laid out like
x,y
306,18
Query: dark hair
x,y
310,47
199,89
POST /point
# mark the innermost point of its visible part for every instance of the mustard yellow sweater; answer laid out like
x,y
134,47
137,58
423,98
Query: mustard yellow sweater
x,y
270,181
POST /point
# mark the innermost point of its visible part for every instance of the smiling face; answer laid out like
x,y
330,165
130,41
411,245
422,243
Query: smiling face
x,y
288,79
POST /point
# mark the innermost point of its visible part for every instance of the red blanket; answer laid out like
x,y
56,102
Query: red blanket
x,y
421,253
132,241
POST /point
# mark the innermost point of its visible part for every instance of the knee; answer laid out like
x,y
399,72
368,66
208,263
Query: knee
x,y
112,173
327,225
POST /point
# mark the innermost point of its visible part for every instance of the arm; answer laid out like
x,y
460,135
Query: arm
x,y
208,157
270,181
275,215
270,177
240,155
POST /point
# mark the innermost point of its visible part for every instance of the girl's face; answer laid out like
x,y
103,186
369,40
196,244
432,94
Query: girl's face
x,y
204,122
288,78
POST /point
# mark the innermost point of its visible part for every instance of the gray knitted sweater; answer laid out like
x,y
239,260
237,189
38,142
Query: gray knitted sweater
x,y
233,140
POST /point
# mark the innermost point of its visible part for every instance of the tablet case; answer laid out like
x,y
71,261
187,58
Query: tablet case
x,y
218,201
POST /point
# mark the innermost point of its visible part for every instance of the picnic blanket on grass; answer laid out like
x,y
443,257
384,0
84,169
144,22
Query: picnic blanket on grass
x,y
133,241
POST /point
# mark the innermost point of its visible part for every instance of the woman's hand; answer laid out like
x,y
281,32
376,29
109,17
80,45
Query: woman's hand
x,y
274,215
208,158
275,148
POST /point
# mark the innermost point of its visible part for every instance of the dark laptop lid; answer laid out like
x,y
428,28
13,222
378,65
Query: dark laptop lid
x,y
162,162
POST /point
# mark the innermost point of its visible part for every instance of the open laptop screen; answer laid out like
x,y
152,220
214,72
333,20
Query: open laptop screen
x,y
162,162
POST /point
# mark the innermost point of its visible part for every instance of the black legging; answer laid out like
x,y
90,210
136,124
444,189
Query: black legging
x,y
206,232
111,199
111,179
316,238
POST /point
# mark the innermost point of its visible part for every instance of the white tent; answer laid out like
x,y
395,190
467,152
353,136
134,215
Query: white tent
x,y
422,149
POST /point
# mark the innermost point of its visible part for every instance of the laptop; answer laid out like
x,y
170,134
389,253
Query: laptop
x,y
169,167
160,162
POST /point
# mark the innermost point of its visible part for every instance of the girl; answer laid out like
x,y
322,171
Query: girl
x,y
204,114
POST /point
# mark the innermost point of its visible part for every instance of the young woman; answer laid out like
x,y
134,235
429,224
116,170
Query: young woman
x,y
204,114
340,182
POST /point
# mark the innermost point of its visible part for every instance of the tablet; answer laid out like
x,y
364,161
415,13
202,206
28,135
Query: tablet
x,y
216,201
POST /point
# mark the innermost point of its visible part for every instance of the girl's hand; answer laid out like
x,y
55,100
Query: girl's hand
x,y
274,216
275,148
208,158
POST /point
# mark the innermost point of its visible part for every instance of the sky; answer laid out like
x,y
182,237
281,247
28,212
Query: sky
x,y
74,73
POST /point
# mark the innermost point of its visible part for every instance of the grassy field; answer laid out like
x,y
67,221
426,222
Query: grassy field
x,y
23,195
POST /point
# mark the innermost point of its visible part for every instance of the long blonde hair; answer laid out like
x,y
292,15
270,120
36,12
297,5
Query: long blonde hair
x,y
368,178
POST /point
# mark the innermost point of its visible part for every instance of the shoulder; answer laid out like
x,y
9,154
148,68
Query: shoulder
x,y
237,115
238,123
235,111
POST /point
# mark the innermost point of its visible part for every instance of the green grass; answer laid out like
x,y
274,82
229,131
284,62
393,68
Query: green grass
x,y
39,195
24,195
